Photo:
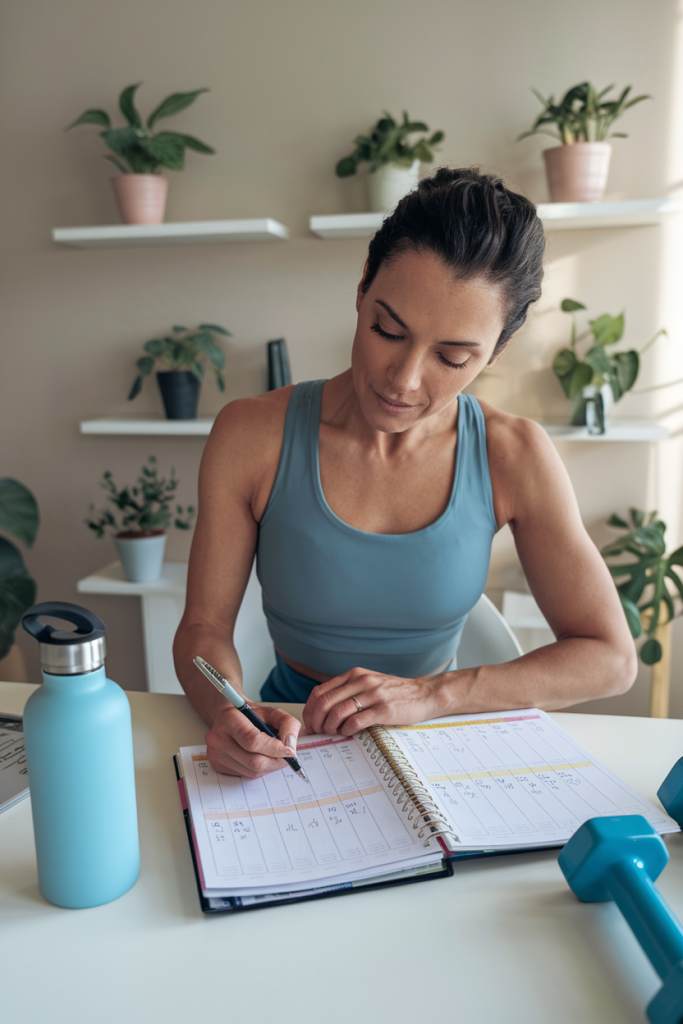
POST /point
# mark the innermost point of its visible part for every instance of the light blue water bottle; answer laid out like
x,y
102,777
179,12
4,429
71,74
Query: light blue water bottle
x,y
79,753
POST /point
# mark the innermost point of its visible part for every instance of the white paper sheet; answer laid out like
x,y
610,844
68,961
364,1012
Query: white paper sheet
x,y
279,834
515,778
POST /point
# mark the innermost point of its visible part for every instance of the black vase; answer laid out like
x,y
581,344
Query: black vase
x,y
179,393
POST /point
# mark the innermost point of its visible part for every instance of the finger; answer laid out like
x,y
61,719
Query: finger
x,y
334,699
320,691
229,758
285,725
340,714
254,741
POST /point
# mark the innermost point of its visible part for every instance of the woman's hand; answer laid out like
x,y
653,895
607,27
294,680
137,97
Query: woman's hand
x,y
235,747
385,700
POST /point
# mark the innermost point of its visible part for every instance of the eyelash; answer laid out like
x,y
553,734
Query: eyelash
x,y
399,337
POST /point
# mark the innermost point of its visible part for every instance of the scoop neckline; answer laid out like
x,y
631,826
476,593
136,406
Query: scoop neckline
x,y
320,494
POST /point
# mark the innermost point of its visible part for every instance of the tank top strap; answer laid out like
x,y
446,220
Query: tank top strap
x,y
298,454
472,461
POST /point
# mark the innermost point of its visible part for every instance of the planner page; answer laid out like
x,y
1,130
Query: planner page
x,y
278,834
515,778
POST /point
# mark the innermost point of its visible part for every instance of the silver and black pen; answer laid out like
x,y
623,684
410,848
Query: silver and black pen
x,y
239,702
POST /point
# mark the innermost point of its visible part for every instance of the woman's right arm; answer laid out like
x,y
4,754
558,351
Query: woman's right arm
x,y
236,475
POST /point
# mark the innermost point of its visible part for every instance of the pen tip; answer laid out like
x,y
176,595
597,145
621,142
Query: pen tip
x,y
304,776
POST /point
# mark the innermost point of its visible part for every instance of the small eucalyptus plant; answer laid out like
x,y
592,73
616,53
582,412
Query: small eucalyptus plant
x,y
184,350
582,115
135,148
388,144
598,366
649,570
142,510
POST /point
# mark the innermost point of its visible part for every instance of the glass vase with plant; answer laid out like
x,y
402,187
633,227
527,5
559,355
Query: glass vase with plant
x,y
393,158
582,121
139,520
613,372
185,352
139,153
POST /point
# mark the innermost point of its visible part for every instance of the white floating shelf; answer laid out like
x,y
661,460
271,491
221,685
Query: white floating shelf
x,y
200,232
555,216
111,580
617,430
147,425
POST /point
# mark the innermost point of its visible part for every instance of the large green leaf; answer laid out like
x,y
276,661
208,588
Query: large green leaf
x,y
192,143
607,330
173,104
346,167
11,561
651,539
632,616
651,652
17,593
615,520
580,378
217,328
571,305
127,106
100,117
627,365
18,511
597,359
166,148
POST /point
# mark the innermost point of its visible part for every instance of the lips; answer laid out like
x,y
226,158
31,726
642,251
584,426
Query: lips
x,y
397,408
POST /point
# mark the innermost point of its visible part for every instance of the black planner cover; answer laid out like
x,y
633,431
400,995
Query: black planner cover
x,y
214,904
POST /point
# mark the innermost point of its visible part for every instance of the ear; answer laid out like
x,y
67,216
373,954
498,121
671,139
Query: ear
x,y
359,290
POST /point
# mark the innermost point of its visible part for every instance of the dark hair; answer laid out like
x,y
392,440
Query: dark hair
x,y
478,227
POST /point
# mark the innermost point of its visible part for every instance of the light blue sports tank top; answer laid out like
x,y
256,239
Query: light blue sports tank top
x,y
336,597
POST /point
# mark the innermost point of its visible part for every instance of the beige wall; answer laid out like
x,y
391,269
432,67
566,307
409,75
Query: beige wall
x,y
291,84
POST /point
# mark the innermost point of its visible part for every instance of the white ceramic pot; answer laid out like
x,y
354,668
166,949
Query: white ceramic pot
x,y
142,557
141,198
577,173
390,183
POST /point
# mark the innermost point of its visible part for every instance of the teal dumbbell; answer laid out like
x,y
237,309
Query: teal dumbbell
x,y
619,859
671,792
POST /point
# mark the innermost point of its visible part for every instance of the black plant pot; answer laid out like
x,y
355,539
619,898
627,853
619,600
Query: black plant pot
x,y
179,393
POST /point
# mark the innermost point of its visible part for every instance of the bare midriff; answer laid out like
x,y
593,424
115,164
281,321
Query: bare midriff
x,y
322,677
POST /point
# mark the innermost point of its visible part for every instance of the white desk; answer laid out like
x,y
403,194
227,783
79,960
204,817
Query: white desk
x,y
503,942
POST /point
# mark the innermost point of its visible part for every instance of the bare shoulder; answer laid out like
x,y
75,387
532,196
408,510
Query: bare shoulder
x,y
523,462
243,449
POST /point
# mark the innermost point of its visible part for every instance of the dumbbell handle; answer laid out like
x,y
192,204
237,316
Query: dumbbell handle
x,y
654,925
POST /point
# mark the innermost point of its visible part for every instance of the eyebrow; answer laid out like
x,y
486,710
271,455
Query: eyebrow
x,y
394,315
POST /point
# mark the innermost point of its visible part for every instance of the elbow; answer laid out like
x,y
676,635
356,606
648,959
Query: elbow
x,y
625,669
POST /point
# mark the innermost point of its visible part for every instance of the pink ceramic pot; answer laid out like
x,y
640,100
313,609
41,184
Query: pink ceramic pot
x,y
577,173
141,197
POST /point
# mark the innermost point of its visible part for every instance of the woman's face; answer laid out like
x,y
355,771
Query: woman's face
x,y
422,337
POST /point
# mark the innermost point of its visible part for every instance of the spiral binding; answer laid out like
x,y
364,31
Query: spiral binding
x,y
411,794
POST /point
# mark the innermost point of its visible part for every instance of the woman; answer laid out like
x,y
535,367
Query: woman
x,y
371,500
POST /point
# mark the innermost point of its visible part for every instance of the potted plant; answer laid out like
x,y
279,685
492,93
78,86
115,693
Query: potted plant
x,y
394,161
139,153
650,587
145,515
184,351
610,374
18,517
577,169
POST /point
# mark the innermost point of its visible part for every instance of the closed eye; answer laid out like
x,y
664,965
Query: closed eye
x,y
385,334
454,366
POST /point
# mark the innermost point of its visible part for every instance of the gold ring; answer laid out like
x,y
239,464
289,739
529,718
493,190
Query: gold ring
x,y
358,703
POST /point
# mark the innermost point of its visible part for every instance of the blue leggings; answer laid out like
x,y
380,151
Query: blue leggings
x,y
285,685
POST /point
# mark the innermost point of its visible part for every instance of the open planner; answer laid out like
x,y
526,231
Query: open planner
x,y
393,805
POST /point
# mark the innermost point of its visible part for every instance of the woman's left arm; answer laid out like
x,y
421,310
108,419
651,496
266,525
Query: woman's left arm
x,y
593,654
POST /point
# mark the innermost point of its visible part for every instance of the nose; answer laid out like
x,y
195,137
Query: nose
x,y
404,373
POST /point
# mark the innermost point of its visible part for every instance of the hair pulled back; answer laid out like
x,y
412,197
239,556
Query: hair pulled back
x,y
478,227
